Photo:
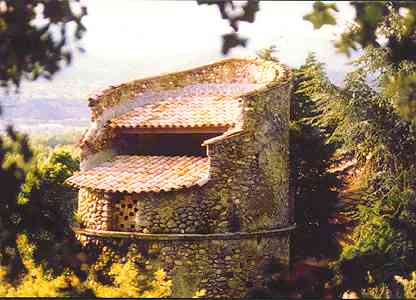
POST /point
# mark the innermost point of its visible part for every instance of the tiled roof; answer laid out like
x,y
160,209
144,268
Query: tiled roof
x,y
184,111
135,174
198,105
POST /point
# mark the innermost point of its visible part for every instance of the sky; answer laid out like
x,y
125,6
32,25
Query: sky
x,y
167,28
170,34
132,39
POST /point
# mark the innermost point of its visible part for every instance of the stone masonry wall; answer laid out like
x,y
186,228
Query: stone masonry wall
x,y
267,119
95,209
167,212
249,171
224,268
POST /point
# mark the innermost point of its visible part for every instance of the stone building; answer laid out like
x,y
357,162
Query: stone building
x,y
193,164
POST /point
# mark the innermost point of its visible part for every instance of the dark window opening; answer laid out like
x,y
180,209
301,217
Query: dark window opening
x,y
163,144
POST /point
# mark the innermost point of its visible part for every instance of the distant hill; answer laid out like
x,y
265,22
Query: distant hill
x,y
46,110
44,115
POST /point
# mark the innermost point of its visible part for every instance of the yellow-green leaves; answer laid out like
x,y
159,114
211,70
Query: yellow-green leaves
x,y
321,14
402,90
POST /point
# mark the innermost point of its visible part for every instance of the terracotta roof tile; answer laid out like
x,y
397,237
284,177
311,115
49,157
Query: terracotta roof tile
x,y
135,174
194,105
185,111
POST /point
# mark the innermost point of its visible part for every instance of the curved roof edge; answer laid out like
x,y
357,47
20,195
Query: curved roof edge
x,y
127,90
137,174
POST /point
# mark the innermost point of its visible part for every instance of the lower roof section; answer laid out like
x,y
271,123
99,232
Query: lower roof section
x,y
136,174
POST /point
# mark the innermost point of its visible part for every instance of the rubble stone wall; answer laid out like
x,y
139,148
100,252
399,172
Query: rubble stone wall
x,y
95,209
225,268
166,212
250,170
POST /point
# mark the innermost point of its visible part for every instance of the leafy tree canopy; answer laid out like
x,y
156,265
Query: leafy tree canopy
x,y
234,14
388,29
362,120
33,37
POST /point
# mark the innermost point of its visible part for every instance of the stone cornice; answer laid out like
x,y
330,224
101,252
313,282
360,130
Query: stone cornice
x,y
185,236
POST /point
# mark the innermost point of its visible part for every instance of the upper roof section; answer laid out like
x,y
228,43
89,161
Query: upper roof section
x,y
183,112
195,106
197,94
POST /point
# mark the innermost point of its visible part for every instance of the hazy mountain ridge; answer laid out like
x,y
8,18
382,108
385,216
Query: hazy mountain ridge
x,y
40,115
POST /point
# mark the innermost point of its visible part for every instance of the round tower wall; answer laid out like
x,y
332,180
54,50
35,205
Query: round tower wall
x,y
223,267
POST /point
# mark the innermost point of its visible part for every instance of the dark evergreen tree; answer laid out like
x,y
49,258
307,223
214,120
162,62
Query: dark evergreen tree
x,y
312,186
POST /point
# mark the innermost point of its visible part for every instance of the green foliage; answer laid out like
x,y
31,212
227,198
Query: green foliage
x,y
320,94
384,239
126,280
363,120
409,285
14,157
120,272
369,17
402,89
35,202
267,54
32,48
386,29
228,9
321,14
36,282
311,184
48,141
127,283
48,205
373,124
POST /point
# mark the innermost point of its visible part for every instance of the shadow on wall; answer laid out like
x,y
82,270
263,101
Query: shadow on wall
x,y
162,144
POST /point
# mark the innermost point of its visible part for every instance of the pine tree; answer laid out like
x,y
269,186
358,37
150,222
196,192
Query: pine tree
x,y
361,119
